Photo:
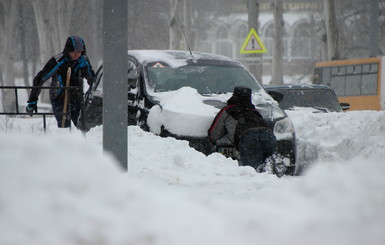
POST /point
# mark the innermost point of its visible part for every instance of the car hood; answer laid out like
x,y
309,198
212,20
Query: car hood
x,y
185,112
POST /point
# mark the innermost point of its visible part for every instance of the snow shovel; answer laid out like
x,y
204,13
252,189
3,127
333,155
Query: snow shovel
x,y
65,105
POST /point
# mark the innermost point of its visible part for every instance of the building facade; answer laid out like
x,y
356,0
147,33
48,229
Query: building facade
x,y
301,39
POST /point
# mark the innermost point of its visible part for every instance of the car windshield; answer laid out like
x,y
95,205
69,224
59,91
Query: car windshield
x,y
205,78
316,98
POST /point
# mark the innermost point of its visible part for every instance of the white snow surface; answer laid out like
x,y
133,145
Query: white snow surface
x,y
183,112
59,187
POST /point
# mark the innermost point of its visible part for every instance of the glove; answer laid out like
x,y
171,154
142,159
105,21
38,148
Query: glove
x,y
32,106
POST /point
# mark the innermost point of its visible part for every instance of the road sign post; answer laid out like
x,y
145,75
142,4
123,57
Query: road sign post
x,y
253,47
253,44
115,67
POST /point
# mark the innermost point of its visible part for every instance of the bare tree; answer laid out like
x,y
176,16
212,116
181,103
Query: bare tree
x,y
277,74
148,24
187,19
253,15
331,30
41,9
8,30
53,19
174,33
86,21
23,41
95,19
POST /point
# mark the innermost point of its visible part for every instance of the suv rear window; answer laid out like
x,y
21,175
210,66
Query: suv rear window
x,y
316,98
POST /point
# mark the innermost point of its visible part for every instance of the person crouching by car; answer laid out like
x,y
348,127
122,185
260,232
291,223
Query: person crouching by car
x,y
240,124
72,62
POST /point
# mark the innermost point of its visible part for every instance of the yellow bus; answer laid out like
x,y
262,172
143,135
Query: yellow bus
x,y
359,82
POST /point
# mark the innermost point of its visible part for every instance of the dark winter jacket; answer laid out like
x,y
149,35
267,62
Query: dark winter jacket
x,y
224,127
221,131
56,68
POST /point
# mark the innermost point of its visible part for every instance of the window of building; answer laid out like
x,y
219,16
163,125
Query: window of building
x,y
268,40
241,36
301,41
206,47
222,33
223,45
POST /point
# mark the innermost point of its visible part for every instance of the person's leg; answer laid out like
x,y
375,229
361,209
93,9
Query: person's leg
x,y
250,149
75,112
279,164
273,160
269,142
57,108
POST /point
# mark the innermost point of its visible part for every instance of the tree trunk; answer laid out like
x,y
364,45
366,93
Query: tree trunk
x,y
174,33
41,10
53,21
95,40
63,22
331,30
253,15
277,74
374,28
10,18
40,7
23,45
187,23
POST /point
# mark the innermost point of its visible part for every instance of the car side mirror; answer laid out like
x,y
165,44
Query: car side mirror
x,y
345,106
277,96
133,75
132,83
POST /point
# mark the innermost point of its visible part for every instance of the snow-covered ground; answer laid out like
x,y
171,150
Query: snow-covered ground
x,y
60,188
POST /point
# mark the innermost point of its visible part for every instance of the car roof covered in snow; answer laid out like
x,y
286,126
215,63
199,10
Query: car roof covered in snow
x,y
177,57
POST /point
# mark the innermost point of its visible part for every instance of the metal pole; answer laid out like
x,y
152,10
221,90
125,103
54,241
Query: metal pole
x,y
44,123
115,39
17,101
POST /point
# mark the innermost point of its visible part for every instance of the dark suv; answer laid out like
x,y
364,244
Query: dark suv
x,y
319,98
178,94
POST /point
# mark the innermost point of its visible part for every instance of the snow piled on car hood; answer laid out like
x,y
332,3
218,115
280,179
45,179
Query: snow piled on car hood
x,y
184,112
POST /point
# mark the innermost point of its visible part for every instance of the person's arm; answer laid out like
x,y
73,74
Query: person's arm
x,y
217,129
45,74
88,71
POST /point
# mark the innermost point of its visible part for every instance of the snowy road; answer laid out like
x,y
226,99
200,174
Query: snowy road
x,y
60,188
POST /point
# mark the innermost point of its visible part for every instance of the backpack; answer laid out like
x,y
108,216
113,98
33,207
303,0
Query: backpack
x,y
247,118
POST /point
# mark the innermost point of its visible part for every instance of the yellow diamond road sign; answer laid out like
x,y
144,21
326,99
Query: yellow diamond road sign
x,y
253,44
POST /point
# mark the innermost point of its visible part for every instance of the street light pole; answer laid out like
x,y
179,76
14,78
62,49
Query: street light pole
x,y
115,67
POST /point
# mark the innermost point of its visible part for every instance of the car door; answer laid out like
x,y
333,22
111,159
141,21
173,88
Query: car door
x,y
91,114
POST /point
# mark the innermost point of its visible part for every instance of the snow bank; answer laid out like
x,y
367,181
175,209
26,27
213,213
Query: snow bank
x,y
60,188
338,136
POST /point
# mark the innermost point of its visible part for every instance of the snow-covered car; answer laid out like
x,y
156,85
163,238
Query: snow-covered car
x,y
316,98
178,94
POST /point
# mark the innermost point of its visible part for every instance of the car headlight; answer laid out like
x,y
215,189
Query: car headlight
x,y
284,129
